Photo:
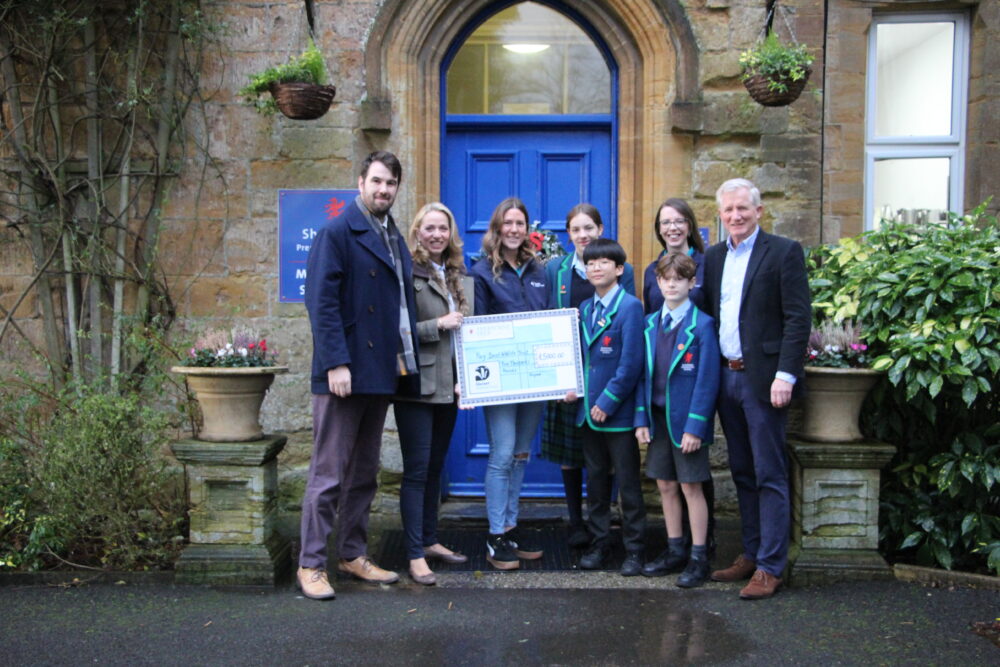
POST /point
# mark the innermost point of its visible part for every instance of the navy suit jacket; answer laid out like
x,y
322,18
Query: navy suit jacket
x,y
775,311
352,296
612,362
692,377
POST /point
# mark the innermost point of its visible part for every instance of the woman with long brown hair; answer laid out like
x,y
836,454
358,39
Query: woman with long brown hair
x,y
509,279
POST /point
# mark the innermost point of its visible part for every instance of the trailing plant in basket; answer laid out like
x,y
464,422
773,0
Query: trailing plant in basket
x,y
930,298
777,62
305,68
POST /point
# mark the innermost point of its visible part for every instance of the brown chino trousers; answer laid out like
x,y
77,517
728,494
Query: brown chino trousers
x,y
347,439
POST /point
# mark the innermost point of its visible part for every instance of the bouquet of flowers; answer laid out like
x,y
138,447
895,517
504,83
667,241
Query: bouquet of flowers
x,y
545,241
834,345
241,347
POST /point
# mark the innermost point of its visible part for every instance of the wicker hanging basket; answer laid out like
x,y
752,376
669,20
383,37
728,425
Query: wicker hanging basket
x,y
302,101
760,91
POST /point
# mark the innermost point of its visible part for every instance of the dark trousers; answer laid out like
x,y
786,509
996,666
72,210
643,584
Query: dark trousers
x,y
604,451
755,435
347,439
424,435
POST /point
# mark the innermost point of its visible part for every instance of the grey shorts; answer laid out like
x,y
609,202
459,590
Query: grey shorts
x,y
664,461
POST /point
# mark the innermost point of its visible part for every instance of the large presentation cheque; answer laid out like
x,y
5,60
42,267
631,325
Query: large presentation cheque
x,y
520,357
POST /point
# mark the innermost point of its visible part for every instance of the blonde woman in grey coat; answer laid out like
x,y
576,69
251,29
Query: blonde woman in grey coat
x,y
444,296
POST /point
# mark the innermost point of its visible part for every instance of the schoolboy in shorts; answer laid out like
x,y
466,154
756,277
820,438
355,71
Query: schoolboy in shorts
x,y
680,387
611,326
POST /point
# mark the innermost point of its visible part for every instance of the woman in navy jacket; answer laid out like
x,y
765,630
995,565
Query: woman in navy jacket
x,y
509,279
677,231
568,283
444,296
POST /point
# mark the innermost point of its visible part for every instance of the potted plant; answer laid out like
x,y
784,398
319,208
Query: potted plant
x,y
774,73
838,377
298,88
229,373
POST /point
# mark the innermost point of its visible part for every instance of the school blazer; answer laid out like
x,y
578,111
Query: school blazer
x,y
352,297
559,272
612,362
692,376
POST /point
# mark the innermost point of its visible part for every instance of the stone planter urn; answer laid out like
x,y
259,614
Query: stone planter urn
x,y
230,399
833,403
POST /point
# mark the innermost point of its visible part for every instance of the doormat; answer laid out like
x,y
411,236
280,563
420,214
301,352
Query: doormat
x,y
558,556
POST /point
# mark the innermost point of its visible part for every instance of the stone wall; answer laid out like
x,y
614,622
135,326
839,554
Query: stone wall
x,y
219,241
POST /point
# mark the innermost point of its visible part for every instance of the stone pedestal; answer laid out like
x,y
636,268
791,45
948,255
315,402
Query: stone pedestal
x,y
232,491
835,491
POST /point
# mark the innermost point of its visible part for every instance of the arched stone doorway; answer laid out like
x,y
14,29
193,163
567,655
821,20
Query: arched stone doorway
x,y
659,97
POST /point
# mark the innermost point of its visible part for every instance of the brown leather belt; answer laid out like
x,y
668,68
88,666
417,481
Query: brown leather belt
x,y
733,364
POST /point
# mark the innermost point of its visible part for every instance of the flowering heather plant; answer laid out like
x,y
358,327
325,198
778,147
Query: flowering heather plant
x,y
837,346
545,241
242,347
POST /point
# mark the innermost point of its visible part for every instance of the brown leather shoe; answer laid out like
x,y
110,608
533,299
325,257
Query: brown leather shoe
x,y
762,585
741,569
315,584
365,569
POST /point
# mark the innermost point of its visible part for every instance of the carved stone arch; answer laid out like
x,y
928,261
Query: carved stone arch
x,y
658,91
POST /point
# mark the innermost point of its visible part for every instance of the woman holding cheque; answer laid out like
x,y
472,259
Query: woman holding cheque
x,y
444,295
509,279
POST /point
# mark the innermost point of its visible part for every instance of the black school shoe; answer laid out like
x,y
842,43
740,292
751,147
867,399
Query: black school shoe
x,y
632,567
500,553
664,564
595,557
579,536
695,574
524,546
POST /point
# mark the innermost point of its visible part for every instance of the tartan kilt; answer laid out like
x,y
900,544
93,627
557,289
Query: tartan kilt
x,y
561,440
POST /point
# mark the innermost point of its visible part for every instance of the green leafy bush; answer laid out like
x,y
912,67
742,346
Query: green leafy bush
x,y
306,68
779,63
84,481
929,298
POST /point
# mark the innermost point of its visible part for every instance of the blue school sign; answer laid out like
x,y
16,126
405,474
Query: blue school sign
x,y
301,213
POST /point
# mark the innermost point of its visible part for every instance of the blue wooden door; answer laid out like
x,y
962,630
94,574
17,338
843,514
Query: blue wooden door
x,y
552,163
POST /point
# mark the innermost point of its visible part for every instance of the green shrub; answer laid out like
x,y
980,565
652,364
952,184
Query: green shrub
x,y
84,480
928,298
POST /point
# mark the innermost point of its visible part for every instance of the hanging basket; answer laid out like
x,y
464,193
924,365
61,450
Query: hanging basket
x,y
760,91
302,101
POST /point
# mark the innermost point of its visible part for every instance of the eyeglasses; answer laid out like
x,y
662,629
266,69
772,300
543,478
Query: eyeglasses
x,y
676,222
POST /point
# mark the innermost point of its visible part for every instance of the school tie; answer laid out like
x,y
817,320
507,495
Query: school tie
x,y
598,313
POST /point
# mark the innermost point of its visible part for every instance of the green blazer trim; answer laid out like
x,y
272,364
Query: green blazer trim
x,y
677,355
564,266
587,310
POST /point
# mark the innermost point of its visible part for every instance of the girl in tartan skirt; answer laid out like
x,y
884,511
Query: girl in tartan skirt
x,y
561,441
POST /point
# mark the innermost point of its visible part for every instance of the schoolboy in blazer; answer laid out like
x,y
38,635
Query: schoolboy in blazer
x,y
680,385
612,358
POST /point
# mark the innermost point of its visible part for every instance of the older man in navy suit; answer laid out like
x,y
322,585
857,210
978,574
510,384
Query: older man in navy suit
x,y
756,289
359,294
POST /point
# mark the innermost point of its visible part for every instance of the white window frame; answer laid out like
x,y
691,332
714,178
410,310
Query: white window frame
x,y
932,146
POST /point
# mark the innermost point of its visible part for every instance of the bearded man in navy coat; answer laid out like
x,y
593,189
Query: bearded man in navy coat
x,y
359,295
757,291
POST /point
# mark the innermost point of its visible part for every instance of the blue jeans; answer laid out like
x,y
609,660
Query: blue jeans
x,y
510,429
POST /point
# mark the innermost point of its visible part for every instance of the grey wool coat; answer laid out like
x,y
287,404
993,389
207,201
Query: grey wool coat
x,y
437,371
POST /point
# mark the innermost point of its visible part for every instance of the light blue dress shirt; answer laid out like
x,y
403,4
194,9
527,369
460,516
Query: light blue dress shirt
x,y
579,267
676,315
606,301
731,297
